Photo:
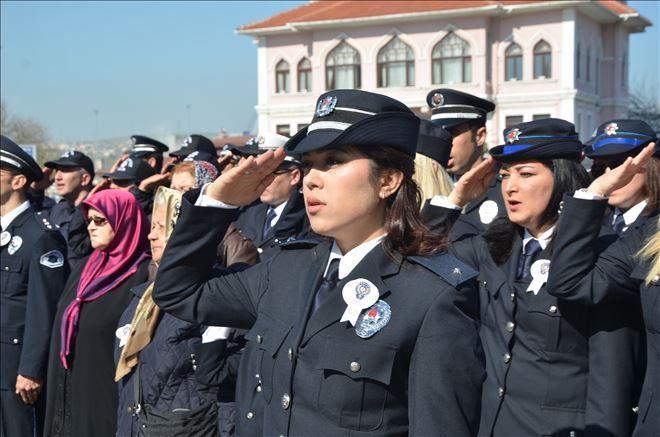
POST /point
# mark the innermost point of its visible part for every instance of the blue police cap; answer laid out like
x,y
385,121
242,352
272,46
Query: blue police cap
x,y
14,156
357,118
620,138
434,142
451,108
549,138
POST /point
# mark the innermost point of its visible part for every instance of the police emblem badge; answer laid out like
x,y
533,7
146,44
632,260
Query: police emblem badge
x,y
373,319
513,135
358,295
611,129
437,100
326,106
52,259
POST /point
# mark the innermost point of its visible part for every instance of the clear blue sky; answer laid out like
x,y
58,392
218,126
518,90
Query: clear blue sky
x,y
160,67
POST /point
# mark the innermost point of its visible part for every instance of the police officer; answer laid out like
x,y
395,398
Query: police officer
x,y
628,270
340,342
611,143
464,116
280,212
33,272
553,368
74,174
149,150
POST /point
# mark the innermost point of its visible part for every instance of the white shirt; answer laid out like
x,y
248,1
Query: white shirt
x,y
352,258
6,219
278,213
543,240
631,215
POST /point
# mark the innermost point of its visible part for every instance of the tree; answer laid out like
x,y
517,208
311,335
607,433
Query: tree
x,y
644,106
24,130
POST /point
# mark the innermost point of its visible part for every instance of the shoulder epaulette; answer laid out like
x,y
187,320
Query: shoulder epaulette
x,y
300,243
43,221
448,267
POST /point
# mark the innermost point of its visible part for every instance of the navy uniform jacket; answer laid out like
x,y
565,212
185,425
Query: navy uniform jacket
x,y
292,223
420,375
477,215
32,279
553,368
618,277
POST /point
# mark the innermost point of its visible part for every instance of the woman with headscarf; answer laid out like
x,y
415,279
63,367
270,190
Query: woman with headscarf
x,y
175,357
82,394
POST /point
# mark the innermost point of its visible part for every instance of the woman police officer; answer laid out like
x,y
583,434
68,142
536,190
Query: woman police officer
x,y
553,368
381,342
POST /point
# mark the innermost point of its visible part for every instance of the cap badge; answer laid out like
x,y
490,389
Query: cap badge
x,y
437,100
611,129
373,319
326,106
513,135
358,295
68,154
192,156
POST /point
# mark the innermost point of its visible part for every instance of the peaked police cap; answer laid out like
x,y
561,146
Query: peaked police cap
x,y
357,118
620,137
13,155
549,138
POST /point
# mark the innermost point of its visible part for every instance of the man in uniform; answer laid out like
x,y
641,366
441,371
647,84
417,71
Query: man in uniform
x,y
33,273
464,116
74,173
280,214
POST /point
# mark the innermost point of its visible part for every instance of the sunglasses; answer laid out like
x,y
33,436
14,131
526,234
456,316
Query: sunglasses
x,y
98,221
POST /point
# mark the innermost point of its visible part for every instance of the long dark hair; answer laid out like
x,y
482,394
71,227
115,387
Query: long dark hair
x,y
406,232
568,176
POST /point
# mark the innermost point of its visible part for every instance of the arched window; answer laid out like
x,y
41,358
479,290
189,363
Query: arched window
x,y
513,58
282,77
342,68
542,60
304,75
451,60
396,64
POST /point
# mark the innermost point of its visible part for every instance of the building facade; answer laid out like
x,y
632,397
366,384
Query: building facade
x,y
566,59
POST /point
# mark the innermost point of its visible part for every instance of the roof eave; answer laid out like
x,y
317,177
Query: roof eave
x,y
360,21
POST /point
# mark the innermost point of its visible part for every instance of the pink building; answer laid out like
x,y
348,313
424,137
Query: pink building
x,y
566,59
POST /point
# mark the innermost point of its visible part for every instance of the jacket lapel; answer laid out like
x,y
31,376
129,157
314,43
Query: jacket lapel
x,y
373,267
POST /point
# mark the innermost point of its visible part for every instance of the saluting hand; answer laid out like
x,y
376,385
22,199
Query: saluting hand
x,y
244,183
45,182
620,176
473,184
28,388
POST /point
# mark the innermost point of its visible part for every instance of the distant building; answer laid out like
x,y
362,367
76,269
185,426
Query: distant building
x,y
566,59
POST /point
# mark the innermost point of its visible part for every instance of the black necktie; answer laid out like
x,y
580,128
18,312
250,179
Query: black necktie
x,y
270,215
327,285
532,248
619,222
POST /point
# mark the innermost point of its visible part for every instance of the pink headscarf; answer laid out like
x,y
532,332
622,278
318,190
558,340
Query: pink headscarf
x,y
106,269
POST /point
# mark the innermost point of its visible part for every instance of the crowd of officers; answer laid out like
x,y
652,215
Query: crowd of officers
x,y
302,286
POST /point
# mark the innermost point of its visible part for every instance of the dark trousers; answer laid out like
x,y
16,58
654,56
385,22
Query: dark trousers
x,y
18,419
